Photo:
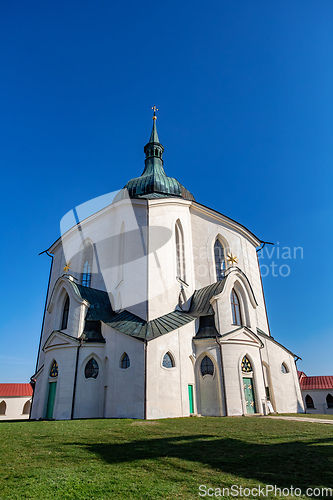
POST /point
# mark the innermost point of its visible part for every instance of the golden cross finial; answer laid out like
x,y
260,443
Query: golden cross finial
x,y
67,266
154,108
232,259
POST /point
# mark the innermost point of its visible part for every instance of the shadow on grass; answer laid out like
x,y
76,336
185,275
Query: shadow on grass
x,y
302,464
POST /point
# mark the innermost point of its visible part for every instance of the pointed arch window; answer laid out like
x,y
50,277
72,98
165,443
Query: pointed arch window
x,y
246,365
91,370
65,312
235,308
125,361
219,256
87,260
54,369
180,254
168,361
26,408
329,401
3,408
309,402
207,366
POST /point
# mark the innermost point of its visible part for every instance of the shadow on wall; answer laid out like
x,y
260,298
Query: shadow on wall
x,y
281,464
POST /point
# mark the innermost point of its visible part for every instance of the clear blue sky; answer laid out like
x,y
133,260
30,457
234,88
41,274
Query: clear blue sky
x,y
246,118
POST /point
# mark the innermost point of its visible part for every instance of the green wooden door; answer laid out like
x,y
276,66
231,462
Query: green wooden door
x,y
249,395
50,399
190,397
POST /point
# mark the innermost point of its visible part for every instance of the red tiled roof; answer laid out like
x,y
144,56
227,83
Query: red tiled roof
x,y
320,382
11,390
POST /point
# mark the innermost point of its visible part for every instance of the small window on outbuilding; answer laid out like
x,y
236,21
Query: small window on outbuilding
x,y
284,368
329,401
168,361
3,408
65,312
207,366
26,408
91,370
309,402
125,361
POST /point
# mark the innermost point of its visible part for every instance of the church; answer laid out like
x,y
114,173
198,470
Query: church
x,y
155,309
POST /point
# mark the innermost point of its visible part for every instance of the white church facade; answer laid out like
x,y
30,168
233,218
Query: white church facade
x,y
156,309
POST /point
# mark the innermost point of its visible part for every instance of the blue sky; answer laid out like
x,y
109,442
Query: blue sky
x,y
245,96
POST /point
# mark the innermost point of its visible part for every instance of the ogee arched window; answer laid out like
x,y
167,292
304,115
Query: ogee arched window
x,y
91,370
207,366
168,361
125,361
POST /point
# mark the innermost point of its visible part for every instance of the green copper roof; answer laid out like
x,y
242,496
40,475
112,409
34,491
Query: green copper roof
x,y
200,303
153,180
130,324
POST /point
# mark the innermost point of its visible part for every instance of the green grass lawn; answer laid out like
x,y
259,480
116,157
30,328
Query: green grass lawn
x,y
163,459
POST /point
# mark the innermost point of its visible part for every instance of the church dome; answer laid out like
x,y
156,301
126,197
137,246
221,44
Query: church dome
x,y
153,182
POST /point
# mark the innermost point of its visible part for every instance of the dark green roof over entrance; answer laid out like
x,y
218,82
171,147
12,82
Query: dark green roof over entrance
x,y
153,182
100,310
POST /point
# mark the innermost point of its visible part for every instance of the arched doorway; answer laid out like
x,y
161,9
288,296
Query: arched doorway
x,y
248,385
209,394
52,389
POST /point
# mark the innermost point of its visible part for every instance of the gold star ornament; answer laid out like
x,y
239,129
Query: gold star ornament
x,y
67,267
232,259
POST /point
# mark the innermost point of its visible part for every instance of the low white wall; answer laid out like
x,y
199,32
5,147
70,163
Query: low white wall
x,y
14,408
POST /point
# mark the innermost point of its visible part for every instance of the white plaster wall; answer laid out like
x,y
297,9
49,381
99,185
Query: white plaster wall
x,y
319,400
285,391
89,392
66,359
54,312
167,388
103,230
163,287
206,225
123,388
14,407
128,291
209,389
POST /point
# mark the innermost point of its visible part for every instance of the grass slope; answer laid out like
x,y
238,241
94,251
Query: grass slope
x,y
163,459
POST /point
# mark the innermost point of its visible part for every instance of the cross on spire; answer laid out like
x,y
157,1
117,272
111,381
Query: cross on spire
x,y
154,108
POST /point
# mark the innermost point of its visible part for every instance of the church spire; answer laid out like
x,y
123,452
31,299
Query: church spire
x,y
154,149
153,182
153,135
